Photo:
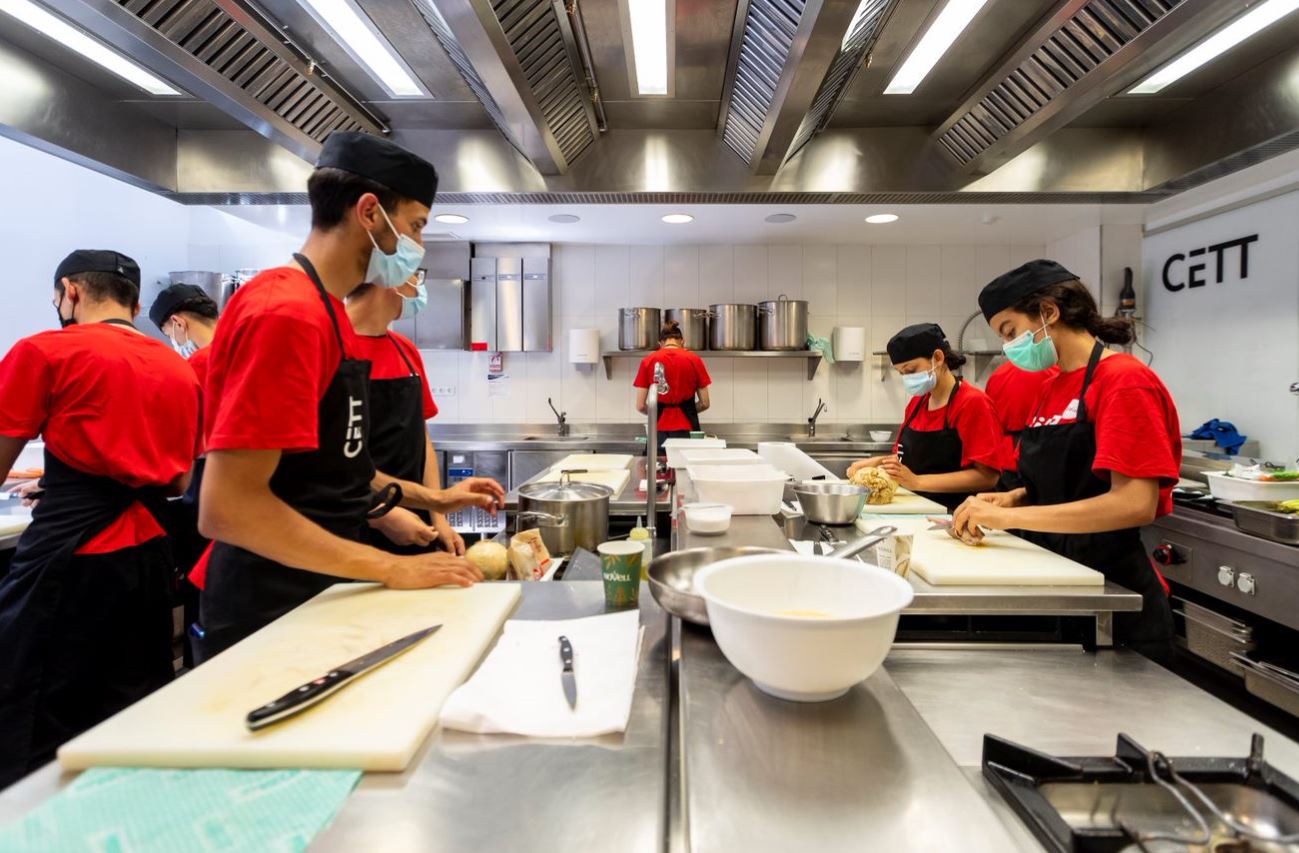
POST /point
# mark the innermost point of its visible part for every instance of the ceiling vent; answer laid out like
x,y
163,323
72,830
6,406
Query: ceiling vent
x,y
769,30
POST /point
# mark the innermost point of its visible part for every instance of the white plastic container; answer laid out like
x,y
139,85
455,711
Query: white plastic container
x,y
674,447
1226,488
804,629
720,456
708,518
785,456
749,489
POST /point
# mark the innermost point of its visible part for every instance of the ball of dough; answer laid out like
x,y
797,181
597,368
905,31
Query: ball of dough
x,y
882,486
491,558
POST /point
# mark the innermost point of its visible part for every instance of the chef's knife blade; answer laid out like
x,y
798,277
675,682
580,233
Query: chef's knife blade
x,y
317,690
567,676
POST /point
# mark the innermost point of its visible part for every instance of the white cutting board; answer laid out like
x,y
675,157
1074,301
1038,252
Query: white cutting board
x,y
375,723
594,462
613,479
15,522
1002,560
906,503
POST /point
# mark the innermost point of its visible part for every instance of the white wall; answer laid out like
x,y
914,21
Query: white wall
x,y
880,287
1231,350
56,206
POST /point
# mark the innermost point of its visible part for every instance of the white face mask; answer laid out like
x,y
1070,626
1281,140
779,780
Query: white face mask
x,y
186,349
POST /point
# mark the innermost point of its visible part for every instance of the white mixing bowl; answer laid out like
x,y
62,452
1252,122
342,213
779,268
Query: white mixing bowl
x,y
805,629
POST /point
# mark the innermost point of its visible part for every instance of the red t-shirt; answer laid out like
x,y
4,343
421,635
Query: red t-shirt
x,y
199,363
1137,429
273,357
386,362
685,373
110,402
974,419
1015,393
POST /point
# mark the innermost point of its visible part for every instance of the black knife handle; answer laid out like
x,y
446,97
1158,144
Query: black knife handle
x,y
566,654
297,700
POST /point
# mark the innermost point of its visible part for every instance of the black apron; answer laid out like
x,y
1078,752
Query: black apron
x,y
398,440
329,485
934,451
1055,463
83,635
187,546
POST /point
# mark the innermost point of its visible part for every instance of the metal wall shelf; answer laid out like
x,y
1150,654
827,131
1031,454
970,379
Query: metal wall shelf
x,y
812,357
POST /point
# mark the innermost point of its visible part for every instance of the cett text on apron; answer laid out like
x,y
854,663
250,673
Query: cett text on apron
x,y
934,451
1055,463
81,635
398,441
329,485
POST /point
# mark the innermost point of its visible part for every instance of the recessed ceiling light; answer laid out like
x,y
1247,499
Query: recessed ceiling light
x,y
678,218
881,218
1261,16
359,36
949,24
451,219
780,218
74,39
648,20
564,218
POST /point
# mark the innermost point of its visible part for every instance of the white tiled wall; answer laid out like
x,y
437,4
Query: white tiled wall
x,y
880,287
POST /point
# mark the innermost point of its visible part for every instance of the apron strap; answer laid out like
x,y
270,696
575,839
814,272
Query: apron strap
x,y
1095,359
310,270
947,409
116,322
413,372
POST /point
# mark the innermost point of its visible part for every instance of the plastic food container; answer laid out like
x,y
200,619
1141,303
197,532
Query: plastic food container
x,y
707,517
881,435
720,456
674,446
1226,488
748,489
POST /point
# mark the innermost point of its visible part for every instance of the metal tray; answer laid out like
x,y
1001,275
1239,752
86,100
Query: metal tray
x,y
1208,638
1258,518
1267,682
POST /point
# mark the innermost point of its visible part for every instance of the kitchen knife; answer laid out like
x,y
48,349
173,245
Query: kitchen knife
x,y
566,676
317,690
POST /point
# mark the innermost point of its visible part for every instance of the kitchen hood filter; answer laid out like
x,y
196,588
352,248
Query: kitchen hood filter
x,y
244,50
769,29
1081,45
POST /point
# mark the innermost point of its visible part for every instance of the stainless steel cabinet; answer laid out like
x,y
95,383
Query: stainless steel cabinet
x,y
511,305
526,464
537,313
482,303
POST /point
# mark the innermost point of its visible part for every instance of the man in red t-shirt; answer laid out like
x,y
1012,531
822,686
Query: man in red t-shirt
x,y
85,611
402,406
287,489
687,378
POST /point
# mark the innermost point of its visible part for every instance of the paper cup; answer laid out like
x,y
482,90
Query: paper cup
x,y
620,567
894,553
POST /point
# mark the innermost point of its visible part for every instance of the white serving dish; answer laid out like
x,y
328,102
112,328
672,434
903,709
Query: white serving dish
x,y
881,435
754,604
674,447
720,456
1227,488
749,489
708,517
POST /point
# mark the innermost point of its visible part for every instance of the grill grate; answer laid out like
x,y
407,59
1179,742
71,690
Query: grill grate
x,y
205,31
1081,45
769,29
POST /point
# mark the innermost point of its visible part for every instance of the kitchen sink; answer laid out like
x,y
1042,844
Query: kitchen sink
x,y
804,438
565,438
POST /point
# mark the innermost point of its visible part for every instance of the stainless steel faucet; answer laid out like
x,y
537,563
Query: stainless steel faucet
x,y
561,417
811,422
659,386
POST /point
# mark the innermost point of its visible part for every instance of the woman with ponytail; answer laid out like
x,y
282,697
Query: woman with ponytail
x,y
1101,453
687,379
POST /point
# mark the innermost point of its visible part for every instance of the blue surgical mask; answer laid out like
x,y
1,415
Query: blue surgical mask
x,y
1027,353
393,270
412,305
920,383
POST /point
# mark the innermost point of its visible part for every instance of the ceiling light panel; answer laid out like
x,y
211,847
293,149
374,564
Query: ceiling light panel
x,y
647,26
1259,18
945,29
358,35
74,39
678,218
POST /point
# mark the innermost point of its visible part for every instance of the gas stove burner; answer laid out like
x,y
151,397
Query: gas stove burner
x,y
1200,500
1141,800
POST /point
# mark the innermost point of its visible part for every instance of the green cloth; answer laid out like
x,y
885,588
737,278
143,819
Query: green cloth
x,y
823,346
133,810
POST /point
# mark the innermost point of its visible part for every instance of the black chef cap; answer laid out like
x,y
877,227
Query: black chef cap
x,y
381,161
917,341
98,260
1006,290
171,299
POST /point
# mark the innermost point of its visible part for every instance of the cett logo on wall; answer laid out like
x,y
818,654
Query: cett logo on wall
x,y
1178,277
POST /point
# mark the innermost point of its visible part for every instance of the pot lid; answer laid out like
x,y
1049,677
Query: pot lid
x,y
565,490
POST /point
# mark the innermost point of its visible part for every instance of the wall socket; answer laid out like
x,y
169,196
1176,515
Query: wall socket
x,y
443,390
